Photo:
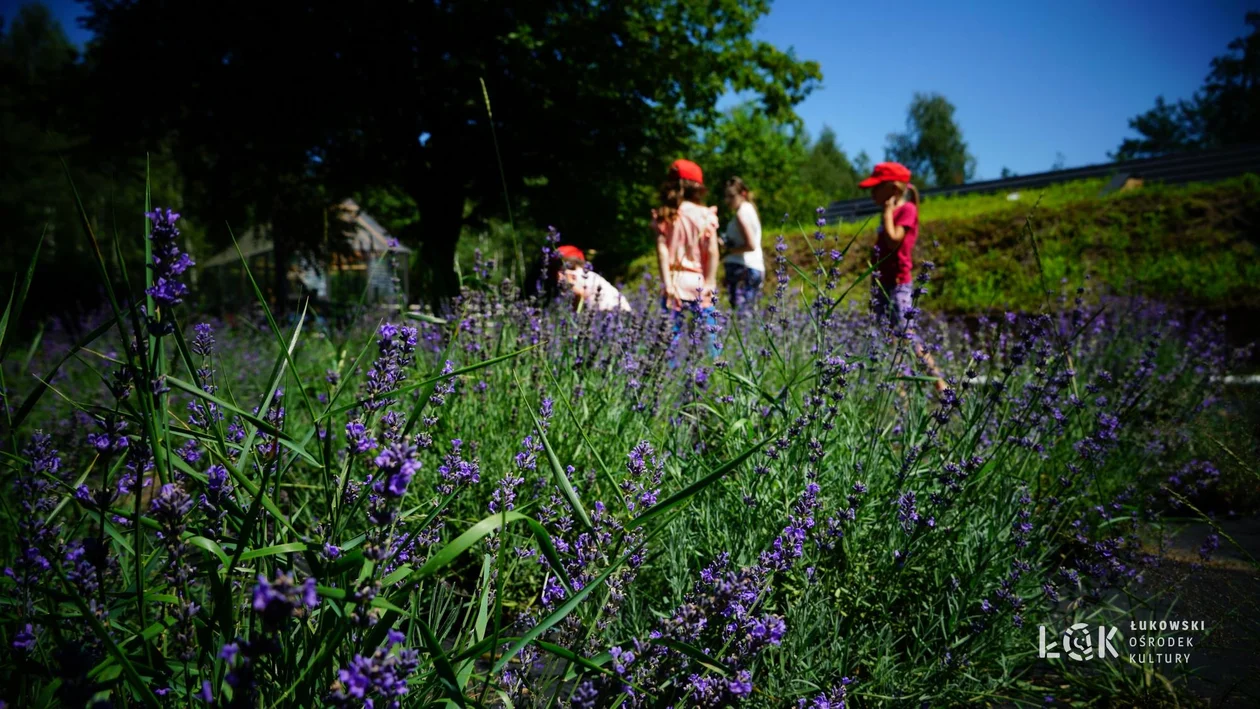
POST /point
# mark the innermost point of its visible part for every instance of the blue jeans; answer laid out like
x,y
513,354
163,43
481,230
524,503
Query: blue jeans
x,y
709,316
743,284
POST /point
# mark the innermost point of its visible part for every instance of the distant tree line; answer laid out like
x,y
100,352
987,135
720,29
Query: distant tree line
x,y
1225,111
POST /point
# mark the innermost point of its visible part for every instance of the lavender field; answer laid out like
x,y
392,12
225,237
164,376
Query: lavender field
x,y
513,503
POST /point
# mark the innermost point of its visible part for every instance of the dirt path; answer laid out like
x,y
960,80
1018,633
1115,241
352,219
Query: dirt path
x,y
1225,593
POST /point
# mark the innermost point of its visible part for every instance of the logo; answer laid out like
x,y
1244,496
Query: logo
x,y
1079,643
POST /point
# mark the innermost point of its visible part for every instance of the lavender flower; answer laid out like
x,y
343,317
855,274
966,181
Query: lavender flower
x,y
396,466
169,262
378,680
279,599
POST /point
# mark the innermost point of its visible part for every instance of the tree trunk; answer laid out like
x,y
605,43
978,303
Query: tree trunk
x,y
280,255
441,218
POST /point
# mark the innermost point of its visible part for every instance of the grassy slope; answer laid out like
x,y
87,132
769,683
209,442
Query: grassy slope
x,y
1195,244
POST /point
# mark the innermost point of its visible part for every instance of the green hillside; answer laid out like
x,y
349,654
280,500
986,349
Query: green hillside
x,y
1193,244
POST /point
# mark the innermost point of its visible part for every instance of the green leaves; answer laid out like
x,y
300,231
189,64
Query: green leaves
x,y
461,544
17,299
684,495
137,683
557,470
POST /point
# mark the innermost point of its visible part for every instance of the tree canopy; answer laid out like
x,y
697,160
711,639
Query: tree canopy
x,y
789,174
1225,111
45,111
932,145
267,104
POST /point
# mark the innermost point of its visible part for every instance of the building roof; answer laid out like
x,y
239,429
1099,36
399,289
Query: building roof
x,y
368,237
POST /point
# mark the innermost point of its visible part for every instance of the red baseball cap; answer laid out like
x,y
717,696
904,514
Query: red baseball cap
x,y
573,252
886,172
686,170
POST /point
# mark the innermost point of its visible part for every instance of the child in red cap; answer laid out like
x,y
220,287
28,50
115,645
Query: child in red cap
x,y
590,290
892,294
889,184
687,247
686,238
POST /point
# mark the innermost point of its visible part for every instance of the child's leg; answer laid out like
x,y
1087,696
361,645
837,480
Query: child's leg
x,y
903,302
879,302
710,325
733,278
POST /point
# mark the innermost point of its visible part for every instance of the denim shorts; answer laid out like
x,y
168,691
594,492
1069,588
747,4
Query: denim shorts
x,y
743,284
899,297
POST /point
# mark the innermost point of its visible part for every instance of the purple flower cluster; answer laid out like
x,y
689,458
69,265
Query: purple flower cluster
x,y
722,614
215,499
457,472
643,482
112,438
837,698
34,491
395,467
376,681
789,545
279,599
169,262
396,346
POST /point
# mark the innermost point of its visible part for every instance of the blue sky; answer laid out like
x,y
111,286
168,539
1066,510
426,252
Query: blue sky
x,y
1030,79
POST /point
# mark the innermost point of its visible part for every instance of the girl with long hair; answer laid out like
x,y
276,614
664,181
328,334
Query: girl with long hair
x,y
687,245
744,262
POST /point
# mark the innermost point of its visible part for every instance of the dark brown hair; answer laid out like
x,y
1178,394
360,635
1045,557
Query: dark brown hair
x,y
736,186
676,191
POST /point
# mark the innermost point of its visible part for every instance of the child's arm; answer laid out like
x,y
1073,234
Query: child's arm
x,y
711,263
662,261
894,232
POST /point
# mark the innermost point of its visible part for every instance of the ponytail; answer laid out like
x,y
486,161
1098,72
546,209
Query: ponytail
x,y
914,193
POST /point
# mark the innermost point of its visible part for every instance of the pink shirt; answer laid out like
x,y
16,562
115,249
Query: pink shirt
x,y
688,240
594,290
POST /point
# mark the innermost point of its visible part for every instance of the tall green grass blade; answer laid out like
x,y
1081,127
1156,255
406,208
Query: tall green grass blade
x,y
275,329
577,423
138,684
595,664
28,404
17,299
494,136
442,664
425,317
456,548
290,548
557,470
211,546
285,439
696,654
559,614
430,380
86,223
684,495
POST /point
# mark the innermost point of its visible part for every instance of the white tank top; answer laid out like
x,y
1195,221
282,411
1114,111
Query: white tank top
x,y
746,215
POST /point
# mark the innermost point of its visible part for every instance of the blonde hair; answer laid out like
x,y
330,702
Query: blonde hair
x,y
904,187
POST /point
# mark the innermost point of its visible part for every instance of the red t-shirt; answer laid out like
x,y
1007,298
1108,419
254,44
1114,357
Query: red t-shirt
x,y
897,269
